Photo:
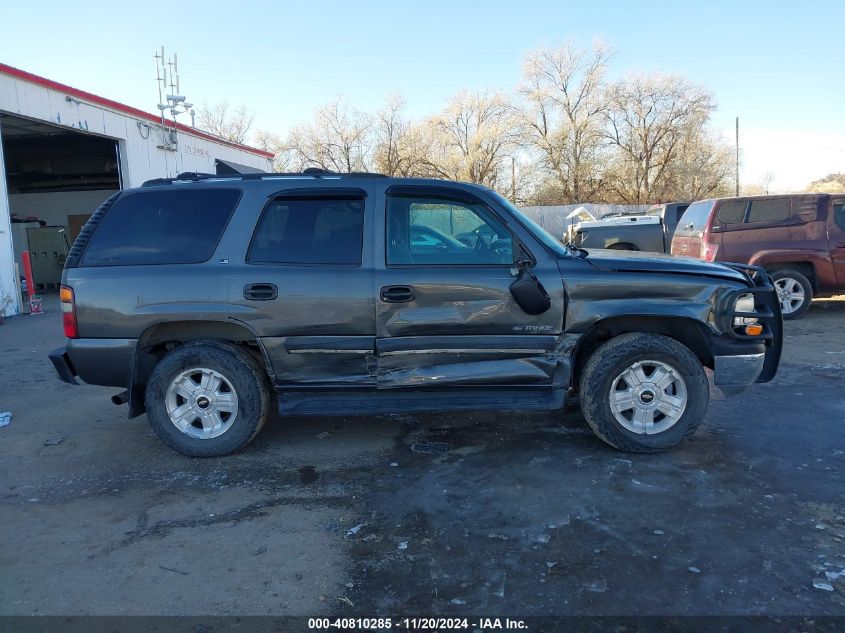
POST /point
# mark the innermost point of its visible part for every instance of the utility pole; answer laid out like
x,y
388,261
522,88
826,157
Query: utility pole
x,y
737,156
513,179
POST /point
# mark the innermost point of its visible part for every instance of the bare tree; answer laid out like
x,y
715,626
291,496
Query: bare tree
x,y
702,168
649,121
563,114
339,139
283,156
220,119
767,180
574,137
472,138
400,148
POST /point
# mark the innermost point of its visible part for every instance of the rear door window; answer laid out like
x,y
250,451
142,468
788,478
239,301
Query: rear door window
x,y
769,211
173,226
695,218
732,211
318,230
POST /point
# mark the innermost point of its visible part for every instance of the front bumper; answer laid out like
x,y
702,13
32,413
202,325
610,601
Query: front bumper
x,y
734,374
766,311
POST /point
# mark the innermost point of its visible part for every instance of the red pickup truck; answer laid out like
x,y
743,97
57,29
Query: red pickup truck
x,y
798,238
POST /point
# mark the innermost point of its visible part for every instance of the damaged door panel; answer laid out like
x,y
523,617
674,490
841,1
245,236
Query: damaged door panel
x,y
445,315
322,360
414,361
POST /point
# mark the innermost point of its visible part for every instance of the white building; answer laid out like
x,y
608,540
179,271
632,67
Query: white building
x,y
63,151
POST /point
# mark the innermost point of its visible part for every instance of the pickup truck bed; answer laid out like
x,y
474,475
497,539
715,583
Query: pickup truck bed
x,y
650,231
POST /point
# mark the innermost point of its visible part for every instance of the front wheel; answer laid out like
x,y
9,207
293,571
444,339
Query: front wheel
x,y
207,399
643,393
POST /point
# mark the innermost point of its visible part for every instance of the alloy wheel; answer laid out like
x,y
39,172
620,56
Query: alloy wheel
x,y
201,403
648,397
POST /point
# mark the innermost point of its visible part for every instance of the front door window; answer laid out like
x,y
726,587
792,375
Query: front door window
x,y
422,231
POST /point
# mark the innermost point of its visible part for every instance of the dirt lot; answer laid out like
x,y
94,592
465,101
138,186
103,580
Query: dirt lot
x,y
522,514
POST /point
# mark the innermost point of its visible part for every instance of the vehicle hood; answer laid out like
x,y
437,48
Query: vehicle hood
x,y
635,261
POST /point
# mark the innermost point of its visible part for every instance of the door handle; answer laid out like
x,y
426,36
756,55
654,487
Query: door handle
x,y
261,292
840,244
397,294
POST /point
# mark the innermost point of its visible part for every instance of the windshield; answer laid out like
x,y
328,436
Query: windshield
x,y
538,231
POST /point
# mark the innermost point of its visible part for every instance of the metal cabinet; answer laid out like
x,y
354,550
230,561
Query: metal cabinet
x,y
48,249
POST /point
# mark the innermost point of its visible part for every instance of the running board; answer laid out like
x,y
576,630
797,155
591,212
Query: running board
x,y
384,402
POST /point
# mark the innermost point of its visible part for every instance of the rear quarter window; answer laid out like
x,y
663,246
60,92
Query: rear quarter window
x,y
769,211
839,214
161,227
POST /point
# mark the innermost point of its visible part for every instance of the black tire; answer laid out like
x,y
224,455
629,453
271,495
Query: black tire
x,y
611,359
247,378
622,246
788,274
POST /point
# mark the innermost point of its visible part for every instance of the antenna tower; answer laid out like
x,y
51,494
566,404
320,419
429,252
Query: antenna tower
x,y
169,97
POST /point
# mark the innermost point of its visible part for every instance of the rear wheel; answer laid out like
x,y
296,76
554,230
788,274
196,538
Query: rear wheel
x,y
207,399
795,293
643,393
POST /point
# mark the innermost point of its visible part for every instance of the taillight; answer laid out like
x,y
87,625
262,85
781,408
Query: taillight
x,y
68,312
708,248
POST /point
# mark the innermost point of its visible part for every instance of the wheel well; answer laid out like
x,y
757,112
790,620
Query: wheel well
x,y
686,331
623,246
159,339
805,268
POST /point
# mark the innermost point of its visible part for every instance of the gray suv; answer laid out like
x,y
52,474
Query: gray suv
x,y
210,300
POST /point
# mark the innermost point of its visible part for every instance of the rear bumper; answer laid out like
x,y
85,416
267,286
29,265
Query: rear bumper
x,y
734,374
61,361
106,362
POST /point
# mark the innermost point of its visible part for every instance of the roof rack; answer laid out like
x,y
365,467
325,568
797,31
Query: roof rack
x,y
314,172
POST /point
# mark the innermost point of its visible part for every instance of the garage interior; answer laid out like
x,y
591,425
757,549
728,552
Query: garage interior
x,y
56,177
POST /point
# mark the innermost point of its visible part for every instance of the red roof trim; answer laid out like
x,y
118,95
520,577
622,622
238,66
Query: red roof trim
x,y
120,107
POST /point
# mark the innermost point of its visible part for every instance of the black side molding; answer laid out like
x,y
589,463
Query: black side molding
x,y
63,366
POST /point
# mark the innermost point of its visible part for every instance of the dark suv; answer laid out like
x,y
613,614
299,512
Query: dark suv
x,y
208,300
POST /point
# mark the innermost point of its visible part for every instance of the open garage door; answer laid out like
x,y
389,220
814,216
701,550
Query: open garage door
x,y
55,178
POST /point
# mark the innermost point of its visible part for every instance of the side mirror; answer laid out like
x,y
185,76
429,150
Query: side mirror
x,y
529,293
526,289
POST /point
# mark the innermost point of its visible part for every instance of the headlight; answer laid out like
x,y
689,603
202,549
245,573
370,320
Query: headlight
x,y
744,303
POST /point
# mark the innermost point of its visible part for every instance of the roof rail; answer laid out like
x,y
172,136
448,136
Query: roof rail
x,y
314,172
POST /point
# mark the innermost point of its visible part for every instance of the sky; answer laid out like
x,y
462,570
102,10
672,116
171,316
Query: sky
x,y
779,66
